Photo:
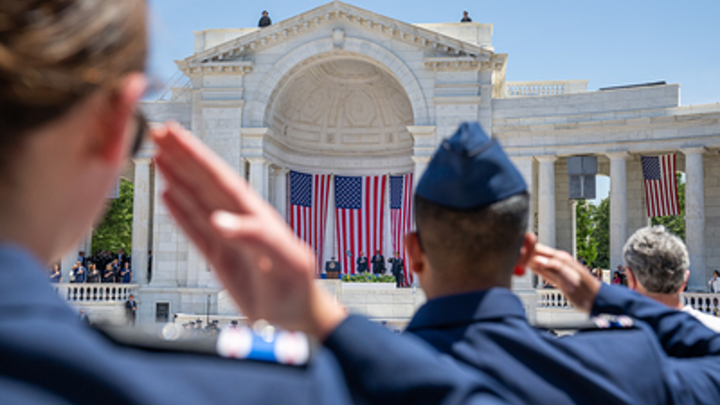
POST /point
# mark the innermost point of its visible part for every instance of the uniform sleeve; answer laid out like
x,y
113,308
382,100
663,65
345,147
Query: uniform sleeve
x,y
383,368
680,333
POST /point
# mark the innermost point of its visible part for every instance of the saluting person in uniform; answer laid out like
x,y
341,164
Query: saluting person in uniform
x,y
362,263
71,75
471,211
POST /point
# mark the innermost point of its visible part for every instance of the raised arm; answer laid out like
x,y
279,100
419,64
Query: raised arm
x,y
270,274
680,334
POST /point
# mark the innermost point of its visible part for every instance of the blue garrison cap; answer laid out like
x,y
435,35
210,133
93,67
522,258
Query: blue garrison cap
x,y
470,170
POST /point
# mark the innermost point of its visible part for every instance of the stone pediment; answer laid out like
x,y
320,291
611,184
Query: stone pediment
x,y
324,15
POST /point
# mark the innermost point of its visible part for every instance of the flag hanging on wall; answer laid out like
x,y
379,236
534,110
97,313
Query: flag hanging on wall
x,y
359,207
401,217
309,196
660,185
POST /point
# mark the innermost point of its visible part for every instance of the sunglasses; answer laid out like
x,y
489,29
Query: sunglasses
x,y
141,133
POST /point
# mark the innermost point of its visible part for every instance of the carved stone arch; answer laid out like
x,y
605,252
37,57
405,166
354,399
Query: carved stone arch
x,y
368,51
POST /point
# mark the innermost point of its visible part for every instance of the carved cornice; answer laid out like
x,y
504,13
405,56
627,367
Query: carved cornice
x,y
339,11
452,64
192,69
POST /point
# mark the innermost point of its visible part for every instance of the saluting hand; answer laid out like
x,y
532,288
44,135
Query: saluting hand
x,y
570,276
266,269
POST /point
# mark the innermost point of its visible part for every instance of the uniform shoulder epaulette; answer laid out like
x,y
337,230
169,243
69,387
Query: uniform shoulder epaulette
x,y
239,342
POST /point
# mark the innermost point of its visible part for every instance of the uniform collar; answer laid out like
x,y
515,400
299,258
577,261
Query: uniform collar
x,y
24,281
453,310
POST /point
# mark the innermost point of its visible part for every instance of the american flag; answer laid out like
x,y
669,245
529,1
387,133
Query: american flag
x,y
660,185
309,196
401,217
359,204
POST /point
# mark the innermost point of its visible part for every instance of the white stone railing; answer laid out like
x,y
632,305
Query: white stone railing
x,y
545,88
701,301
552,298
94,292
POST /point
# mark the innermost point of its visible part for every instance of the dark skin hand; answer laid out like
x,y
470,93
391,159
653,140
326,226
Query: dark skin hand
x,y
567,274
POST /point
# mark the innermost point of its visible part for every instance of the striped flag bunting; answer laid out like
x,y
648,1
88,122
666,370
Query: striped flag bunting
x,y
309,197
660,185
359,207
401,188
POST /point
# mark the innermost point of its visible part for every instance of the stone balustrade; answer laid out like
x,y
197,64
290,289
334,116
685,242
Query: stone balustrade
x,y
545,88
552,298
701,301
110,293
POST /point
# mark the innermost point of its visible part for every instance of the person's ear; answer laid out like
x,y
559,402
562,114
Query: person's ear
x,y
415,255
116,119
687,277
526,253
632,281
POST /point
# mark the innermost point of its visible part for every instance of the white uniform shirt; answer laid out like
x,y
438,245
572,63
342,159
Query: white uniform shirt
x,y
708,320
714,285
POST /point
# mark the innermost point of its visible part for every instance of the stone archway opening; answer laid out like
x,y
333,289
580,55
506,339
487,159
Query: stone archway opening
x,y
343,107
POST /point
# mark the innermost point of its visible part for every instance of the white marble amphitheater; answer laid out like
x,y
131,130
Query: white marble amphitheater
x,y
343,90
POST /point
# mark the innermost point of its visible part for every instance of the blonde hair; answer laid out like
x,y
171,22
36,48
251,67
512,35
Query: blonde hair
x,y
54,53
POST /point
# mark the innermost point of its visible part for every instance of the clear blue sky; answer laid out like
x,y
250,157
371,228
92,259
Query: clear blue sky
x,y
606,42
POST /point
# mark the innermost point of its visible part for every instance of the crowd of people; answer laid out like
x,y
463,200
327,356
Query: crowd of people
x,y
102,267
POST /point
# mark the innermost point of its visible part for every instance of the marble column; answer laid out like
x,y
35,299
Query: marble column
x,y
281,191
259,176
424,145
141,220
573,215
165,257
66,264
524,164
695,217
618,206
546,200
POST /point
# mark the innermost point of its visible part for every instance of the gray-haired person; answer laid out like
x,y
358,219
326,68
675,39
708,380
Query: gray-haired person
x,y
658,266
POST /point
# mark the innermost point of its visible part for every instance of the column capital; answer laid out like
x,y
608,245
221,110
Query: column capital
x,y
254,160
523,158
142,160
618,155
546,158
692,150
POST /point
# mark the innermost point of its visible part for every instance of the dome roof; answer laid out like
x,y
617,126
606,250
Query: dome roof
x,y
343,107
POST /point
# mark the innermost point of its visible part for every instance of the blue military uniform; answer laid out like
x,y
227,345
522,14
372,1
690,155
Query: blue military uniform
x,y
46,349
488,329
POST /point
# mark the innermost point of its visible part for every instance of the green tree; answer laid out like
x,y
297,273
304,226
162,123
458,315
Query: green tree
x,y
115,230
601,234
675,223
585,225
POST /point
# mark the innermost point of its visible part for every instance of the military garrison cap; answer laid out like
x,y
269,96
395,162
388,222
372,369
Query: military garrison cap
x,y
469,170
